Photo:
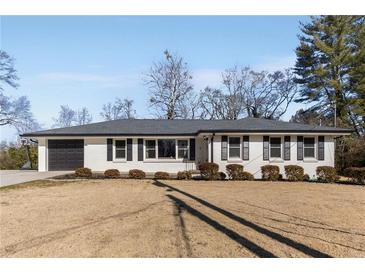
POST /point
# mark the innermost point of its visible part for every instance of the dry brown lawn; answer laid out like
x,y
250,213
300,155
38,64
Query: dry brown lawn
x,y
127,218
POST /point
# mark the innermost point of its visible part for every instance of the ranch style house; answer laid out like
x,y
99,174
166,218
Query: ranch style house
x,y
178,145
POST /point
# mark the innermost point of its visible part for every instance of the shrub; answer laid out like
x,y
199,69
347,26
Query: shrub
x,y
245,176
326,174
233,170
13,156
136,174
221,176
184,175
306,178
112,173
83,172
357,174
270,173
209,171
294,173
161,175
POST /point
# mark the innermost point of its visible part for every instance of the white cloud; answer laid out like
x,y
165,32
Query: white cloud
x,y
275,63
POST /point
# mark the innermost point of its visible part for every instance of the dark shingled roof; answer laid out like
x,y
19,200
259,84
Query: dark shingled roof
x,y
143,127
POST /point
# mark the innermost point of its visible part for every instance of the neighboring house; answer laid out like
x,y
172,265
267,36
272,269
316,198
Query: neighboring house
x,y
176,145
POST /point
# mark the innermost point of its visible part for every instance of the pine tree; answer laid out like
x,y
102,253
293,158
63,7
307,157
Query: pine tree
x,y
330,67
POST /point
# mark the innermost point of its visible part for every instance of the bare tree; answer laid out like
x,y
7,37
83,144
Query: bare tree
x,y
66,117
246,93
268,95
120,109
7,71
17,113
169,83
83,116
14,112
227,102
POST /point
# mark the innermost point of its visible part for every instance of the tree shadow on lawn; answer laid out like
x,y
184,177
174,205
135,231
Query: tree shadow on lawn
x,y
327,227
275,236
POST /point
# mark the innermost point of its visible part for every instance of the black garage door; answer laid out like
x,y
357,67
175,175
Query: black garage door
x,y
65,154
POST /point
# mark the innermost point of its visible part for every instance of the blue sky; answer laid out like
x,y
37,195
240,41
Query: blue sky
x,y
90,60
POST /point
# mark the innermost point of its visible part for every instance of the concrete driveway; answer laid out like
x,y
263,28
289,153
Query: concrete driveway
x,y
12,177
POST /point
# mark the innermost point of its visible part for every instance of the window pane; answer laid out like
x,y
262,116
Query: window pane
x,y
234,152
120,143
275,142
150,144
182,143
234,141
151,154
182,153
275,152
308,152
309,142
120,153
166,148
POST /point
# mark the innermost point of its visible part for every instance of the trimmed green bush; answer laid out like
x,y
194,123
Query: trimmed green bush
x,y
270,173
294,173
357,174
161,175
83,172
233,170
112,173
184,175
209,171
326,174
245,176
136,174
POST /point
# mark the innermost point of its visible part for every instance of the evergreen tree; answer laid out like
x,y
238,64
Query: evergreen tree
x,y
331,67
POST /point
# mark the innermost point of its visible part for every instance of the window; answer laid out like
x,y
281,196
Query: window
x,y
120,149
150,149
182,149
275,147
234,147
309,147
166,148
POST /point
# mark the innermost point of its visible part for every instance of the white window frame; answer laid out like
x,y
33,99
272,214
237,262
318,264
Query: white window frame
x,y
115,150
281,148
145,149
229,146
187,149
314,146
156,149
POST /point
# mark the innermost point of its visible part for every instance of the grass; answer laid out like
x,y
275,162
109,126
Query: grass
x,y
170,218
36,183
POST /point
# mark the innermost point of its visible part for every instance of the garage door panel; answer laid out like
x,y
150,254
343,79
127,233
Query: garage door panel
x,y
65,154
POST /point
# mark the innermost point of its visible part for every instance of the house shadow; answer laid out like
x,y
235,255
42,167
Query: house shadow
x,y
259,251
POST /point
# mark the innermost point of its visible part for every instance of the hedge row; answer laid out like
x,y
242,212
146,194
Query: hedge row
x,y
210,171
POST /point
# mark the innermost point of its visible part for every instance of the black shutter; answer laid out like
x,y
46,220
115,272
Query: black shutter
x,y
109,149
224,148
299,148
192,149
140,149
246,147
321,148
287,148
265,154
129,150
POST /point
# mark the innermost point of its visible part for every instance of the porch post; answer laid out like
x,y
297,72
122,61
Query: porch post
x,y
211,149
